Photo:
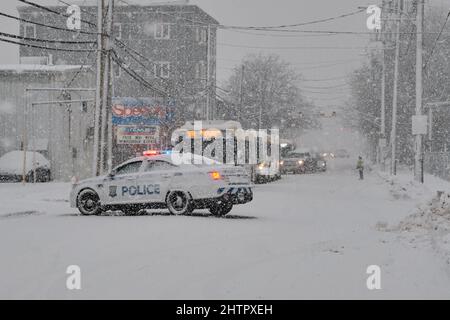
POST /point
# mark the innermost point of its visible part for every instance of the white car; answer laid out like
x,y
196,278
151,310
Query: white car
x,y
156,181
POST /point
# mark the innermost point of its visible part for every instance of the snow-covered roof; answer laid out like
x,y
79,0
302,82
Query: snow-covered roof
x,y
39,68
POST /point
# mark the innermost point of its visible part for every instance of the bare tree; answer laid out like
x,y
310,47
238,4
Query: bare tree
x,y
263,93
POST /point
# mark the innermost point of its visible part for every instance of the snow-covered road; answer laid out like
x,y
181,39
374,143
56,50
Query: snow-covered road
x,y
307,236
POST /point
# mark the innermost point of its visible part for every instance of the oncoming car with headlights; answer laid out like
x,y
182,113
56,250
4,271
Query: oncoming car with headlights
x,y
297,161
155,180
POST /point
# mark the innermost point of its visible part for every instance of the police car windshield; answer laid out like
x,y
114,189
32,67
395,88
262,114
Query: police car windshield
x,y
132,167
156,165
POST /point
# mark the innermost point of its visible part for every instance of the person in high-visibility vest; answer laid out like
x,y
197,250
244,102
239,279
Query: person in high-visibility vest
x,y
360,167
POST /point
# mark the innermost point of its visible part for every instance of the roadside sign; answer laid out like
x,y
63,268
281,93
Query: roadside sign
x,y
137,134
419,124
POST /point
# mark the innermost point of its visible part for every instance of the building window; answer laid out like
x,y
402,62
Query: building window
x,y
29,30
200,70
117,30
201,35
162,69
162,31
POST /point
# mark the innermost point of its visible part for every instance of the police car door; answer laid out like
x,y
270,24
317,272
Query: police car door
x,y
155,179
122,186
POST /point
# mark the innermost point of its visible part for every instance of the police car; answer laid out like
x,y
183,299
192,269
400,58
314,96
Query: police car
x,y
159,180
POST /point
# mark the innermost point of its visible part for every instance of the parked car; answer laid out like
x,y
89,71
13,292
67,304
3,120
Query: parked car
x,y
12,167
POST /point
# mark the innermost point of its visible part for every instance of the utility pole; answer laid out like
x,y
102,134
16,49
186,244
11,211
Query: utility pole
x,y
110,133
382,140
418,158
106,100
395,96
208,74
99,88
241,93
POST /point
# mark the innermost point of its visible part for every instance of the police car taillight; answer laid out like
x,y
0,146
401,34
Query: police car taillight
x,y
215,175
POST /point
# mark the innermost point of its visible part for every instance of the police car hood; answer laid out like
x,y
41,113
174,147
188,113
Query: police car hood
x,y
93,180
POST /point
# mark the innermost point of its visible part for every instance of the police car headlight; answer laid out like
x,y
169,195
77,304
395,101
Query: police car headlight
x,y
301,162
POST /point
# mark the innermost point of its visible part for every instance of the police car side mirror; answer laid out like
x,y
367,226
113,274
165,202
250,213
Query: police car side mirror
x,y
112,173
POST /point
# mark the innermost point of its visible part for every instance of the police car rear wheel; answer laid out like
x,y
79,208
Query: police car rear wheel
x,y
179,203
221,208
88,203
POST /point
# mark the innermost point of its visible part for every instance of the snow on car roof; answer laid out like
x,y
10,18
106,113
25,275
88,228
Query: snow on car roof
x,y
12,162
183,156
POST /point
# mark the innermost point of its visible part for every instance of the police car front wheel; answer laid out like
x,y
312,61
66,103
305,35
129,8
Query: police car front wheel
x,y
88,202
179,202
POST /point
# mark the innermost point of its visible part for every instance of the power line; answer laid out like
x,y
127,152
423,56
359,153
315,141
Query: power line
x,y
298,24
42,47
323,92
302,23
308,63
265,34
325,79
436,40
329,87
284,48
306,68
128,49
135,75
46,25
265,27
8,35
53,11
123,45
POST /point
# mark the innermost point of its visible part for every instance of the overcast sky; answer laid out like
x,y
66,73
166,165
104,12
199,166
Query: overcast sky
x,y
312,63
